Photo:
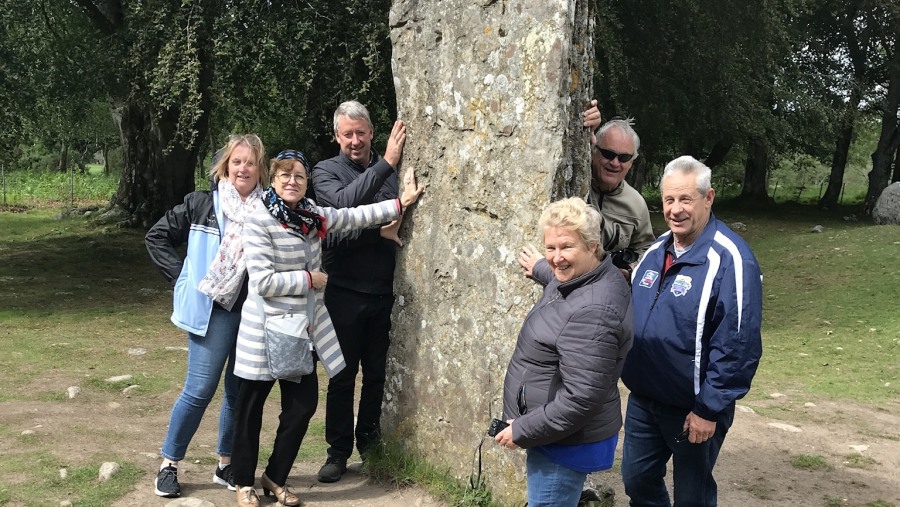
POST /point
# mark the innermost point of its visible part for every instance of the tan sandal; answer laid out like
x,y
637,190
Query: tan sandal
x,y
282,493
247,497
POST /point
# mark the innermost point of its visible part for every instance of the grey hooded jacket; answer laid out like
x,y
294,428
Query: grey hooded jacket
x,y
568,358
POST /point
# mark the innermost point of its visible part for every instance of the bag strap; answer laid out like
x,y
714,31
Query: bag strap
x,y
311,308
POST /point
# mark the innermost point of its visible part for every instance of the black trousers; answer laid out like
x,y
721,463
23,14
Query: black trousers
x,y
298,404
363,325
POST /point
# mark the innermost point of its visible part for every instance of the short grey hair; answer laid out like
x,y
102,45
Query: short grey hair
x,y
626,126
687,164
353,110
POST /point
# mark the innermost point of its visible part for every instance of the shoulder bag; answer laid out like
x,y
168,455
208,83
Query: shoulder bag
x,y
289,348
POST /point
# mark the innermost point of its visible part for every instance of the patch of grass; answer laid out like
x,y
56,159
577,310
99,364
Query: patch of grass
x,y
760,488
880,503
857,460
834,501
81,486
388,462
811,462
52,189
829,325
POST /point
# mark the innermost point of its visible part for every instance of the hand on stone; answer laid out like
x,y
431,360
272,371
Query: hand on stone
x,y
391,231
592,118
396,140
411,191
528,257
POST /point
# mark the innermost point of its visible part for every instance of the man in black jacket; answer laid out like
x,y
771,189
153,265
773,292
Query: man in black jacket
x,y
359,295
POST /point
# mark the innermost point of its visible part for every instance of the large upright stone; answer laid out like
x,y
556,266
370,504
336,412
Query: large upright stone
x,y
492,94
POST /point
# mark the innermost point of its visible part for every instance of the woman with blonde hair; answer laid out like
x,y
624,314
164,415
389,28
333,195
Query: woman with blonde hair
x,y
210,286
560,395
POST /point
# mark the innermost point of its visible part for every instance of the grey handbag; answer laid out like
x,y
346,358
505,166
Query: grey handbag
x,y
289,348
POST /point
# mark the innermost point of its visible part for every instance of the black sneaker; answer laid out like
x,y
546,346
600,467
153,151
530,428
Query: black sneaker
x,y
333,469
166,483
225,477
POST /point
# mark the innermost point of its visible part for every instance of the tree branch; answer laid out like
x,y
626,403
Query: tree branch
x,y
98,18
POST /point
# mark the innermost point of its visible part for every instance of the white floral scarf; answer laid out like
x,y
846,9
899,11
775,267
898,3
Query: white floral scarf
x,y
222,282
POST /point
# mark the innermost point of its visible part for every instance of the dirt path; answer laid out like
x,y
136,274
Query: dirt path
x,y
860,445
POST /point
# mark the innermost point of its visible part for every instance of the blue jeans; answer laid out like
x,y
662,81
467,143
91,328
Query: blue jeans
x,y
550,484
207,356
650,430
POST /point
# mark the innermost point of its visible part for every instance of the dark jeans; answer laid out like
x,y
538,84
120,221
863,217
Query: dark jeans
x,y
650,430
363,324
298,404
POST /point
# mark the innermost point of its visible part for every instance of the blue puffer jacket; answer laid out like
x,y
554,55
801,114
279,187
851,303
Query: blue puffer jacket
x,y
697,340
196,221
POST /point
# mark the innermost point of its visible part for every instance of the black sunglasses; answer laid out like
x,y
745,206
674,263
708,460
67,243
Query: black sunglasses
x,y
609,155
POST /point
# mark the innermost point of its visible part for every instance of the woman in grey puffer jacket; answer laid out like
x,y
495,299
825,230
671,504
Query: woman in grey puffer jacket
x,y
560,393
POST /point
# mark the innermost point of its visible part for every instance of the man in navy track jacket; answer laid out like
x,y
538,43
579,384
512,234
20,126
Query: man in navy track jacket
x,y
697,296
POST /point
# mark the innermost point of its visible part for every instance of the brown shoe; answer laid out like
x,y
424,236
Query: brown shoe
x,y
247,497
282,493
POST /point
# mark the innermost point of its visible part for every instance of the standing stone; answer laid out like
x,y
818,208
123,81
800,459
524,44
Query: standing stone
x,y
492,94
887,207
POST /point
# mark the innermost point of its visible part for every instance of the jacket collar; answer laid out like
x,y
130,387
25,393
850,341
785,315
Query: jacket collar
x,y
592,276
697,253
373,159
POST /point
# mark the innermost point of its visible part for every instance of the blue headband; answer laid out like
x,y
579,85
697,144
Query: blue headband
x,y
293,155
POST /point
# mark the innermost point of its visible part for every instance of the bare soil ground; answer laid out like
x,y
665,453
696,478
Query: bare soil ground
x,y
755,467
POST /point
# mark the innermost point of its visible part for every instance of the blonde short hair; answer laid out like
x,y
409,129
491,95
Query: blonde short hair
x,y
573,214
219,170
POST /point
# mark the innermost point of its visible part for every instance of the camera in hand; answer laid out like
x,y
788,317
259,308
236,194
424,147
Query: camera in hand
x,y
496,427
624,258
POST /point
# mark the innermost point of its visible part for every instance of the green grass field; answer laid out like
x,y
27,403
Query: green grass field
x,y
76,298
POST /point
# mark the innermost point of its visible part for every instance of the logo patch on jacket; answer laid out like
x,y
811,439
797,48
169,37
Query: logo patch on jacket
x,y
681,285
649,278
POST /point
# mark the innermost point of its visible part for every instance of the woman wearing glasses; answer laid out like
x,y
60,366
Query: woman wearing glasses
x,y
210,286
560,394
283,247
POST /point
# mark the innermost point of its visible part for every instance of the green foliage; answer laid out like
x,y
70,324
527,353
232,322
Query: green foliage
x,y
811,462
55,189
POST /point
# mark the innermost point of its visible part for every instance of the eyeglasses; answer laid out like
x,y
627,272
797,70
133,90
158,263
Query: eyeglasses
x,y
286,177
610,155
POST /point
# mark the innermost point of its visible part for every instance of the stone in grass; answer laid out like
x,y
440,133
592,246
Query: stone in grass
x,y
73,391
817,228
63,473
786,427
108,469
119,378
65,503
130,388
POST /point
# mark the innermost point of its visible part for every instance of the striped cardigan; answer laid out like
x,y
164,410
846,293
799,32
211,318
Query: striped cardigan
x,y
278,263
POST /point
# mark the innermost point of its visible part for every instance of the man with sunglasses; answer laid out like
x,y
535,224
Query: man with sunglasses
x,y
626,220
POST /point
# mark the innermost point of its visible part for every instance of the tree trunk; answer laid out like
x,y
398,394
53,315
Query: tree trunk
x,y
884,151
156,176
755,173
104,148
718,153
896,176
63,164
838,164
